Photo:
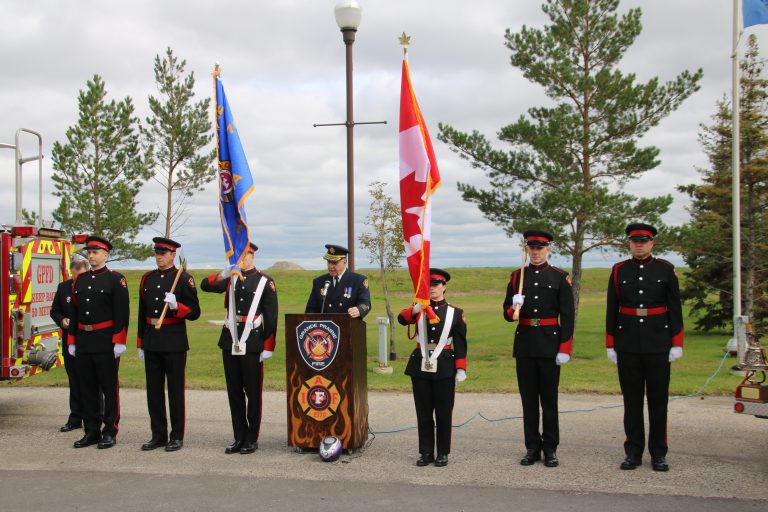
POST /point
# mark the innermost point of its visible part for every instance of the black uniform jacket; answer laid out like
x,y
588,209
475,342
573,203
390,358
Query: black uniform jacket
x,y
352,290
450,359
641,285
548,294
172,336
60,307
262,337
99,311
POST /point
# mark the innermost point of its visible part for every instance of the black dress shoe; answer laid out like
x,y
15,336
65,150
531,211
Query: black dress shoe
x,y
69,427
631,463
248,447
174,445
106,441
87,440
659,464
530,457
550,460
424,459
153,444
441,460
234,447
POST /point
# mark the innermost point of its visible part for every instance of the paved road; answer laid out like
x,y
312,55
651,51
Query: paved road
x,y
719,460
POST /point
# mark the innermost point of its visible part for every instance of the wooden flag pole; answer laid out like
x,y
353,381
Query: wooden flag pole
x,y
516,314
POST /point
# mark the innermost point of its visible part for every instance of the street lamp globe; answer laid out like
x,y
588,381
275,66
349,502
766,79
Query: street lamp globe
x,y
348,14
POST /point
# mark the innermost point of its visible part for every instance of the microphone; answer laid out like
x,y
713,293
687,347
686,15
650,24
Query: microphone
x,y
324,293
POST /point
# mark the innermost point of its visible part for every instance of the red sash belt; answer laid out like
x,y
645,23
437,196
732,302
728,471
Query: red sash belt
x,y
536,322
447,347
95,327
643,311
166,321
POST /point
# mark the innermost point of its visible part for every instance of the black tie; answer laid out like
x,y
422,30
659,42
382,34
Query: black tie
x,y
335,282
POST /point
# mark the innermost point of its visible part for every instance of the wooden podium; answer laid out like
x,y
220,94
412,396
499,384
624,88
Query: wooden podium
x,y
327,388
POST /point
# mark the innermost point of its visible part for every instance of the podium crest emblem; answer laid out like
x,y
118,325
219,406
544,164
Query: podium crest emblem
x,y
318,343
319,398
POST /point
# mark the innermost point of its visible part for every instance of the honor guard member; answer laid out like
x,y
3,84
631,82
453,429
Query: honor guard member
x,y
255,308
543,342
60,315
438,363
643,335
164,349
97,333
339,291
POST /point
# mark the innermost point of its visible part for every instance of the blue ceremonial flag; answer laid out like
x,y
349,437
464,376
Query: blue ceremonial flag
x,y
235,181
755,12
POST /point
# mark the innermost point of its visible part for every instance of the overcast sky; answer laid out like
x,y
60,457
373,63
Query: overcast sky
x,y
283,70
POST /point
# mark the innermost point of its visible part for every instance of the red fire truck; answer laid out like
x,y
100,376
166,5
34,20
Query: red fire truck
x,y
33,261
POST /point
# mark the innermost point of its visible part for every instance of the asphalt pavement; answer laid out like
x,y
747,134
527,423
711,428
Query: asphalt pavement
x,y
718,460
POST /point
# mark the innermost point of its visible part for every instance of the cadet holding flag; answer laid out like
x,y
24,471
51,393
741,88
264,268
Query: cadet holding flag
x,y
162,342
254,305
248,336
543,343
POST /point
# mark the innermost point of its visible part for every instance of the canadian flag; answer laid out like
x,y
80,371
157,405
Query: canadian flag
x,y
419,178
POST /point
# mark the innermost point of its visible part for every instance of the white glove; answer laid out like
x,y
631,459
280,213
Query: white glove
x,y
416,308
119,349
226,272
561,358
518,299
265,354
612,356
461,375
141,354
71,349
170,298
675,353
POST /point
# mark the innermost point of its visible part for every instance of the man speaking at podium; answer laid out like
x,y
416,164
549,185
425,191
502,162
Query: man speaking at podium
x,y
339,291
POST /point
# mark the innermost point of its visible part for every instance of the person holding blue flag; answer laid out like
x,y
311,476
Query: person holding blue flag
x,y
248,336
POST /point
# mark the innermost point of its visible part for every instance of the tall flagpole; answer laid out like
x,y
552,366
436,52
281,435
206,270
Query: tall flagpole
x,y
738,321
735,150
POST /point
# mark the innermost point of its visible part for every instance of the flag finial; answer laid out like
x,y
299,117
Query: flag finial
x,y
405,40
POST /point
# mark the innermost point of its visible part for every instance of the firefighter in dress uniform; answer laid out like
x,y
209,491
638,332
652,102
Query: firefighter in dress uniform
x,y
59,314
435,368
643,335
339,291
543,343
99,314
256,309
164,350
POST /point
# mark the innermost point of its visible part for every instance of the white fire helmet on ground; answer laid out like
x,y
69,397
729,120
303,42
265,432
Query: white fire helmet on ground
x,y
330,448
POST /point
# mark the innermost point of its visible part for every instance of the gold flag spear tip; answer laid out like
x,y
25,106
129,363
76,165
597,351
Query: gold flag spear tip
x,y
405,41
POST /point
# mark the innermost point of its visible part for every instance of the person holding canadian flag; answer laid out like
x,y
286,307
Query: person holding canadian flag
x,y
438,362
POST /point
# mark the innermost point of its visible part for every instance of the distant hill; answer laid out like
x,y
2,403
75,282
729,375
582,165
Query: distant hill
x,y
285,265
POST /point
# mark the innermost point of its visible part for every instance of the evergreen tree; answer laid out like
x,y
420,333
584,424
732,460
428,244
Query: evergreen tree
x,y
568,163
99,172
707,241
384,243
176,133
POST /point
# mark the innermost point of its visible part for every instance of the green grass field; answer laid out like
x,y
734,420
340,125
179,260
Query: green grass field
x,y
480,292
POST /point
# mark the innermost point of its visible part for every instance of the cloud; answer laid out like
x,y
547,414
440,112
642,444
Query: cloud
x,y
283,67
